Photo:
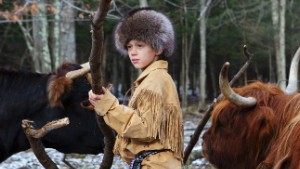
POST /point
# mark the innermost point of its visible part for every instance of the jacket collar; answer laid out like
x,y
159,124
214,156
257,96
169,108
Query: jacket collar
x,y
160,64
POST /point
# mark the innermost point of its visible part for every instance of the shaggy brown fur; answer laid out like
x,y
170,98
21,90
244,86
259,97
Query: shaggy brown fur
x,y
146,25
285,152
59,85
243,137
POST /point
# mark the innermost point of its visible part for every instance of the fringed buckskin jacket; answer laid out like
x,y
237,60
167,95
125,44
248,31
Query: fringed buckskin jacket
x,y
153,118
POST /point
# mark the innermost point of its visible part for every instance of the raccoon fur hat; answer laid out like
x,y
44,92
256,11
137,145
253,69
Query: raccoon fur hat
x,y
147,25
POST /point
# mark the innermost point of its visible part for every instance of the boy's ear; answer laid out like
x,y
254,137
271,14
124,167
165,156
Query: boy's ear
x,y
159,52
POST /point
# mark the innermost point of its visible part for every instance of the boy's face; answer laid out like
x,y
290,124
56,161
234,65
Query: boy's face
x,y
141,54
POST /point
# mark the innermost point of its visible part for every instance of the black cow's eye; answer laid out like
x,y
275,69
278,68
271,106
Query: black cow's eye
x,y
86,105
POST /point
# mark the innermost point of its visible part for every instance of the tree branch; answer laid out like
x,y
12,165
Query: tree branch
x,y
34,135
196,135
96,60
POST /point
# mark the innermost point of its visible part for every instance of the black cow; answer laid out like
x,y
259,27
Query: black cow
x,y
43,98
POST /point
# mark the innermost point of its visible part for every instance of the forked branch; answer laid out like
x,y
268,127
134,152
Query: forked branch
x,y
199,129
33,135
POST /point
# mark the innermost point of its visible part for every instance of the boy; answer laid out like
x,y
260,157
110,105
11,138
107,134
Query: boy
x,y
150,129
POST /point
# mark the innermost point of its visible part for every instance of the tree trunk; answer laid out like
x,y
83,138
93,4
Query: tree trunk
x,y
28,38
282,9
143,3
55,44
41,54
271,69
184,62
278,18
67,34
293,21
202,29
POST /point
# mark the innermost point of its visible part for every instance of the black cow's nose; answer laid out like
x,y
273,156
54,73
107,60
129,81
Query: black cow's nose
x,y
85,103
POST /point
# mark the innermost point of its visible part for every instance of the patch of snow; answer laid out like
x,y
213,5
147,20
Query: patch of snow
x,y
27,159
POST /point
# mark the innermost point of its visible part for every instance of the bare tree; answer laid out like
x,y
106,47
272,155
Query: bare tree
x,y
41,52
55,44
50,39
185,55
67,33
63,33
143,3
202,28
278,18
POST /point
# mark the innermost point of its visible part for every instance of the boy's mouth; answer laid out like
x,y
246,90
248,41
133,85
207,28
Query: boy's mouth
x,y
134,60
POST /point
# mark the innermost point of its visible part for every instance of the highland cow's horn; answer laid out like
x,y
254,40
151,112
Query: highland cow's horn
x,y
80,72
229,93
292,86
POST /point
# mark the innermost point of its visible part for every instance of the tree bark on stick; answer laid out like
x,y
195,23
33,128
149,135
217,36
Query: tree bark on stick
x,y
96,60
196,135
34,135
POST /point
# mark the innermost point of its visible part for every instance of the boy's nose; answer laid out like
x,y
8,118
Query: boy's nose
x,y
133,51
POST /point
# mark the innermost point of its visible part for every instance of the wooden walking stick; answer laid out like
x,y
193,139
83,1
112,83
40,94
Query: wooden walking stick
x,y
196,135
95,61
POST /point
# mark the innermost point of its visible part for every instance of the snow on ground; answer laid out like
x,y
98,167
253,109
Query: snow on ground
x,y
27,160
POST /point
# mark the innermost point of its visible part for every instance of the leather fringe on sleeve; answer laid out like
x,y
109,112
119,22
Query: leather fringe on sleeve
x,y
166,120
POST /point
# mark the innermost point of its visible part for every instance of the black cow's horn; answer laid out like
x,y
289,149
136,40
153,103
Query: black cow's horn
x,y
292,86
229,93
80,72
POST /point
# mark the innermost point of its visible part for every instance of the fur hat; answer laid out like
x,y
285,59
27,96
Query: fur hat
x,y
146,25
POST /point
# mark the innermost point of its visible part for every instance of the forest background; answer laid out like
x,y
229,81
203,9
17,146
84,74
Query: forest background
x,y
39,35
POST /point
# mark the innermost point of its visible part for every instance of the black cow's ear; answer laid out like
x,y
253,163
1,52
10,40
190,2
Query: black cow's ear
x,y
57,88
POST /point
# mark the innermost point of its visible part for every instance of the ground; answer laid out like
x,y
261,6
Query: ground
x,y
27,160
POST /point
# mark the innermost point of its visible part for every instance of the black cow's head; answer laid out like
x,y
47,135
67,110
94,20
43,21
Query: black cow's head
x,y
43,98
66,96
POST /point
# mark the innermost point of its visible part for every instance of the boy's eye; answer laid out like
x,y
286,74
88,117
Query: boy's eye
x,y
128,46
140,45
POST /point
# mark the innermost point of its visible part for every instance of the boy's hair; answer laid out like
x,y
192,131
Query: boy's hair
x,y
147,25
